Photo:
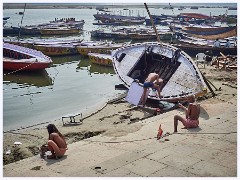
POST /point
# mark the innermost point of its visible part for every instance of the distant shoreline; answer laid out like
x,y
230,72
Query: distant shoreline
x,y
104,6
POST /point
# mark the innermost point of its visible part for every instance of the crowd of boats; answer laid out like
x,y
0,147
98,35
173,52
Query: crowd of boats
x,y
170,59
56,27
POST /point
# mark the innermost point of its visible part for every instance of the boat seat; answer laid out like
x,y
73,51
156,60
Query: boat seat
x,y
200,59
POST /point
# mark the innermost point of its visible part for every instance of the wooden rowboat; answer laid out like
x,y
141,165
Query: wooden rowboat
x,y
18,58
104,48
194,49
181,76
57,49
211,33
101,59
59,31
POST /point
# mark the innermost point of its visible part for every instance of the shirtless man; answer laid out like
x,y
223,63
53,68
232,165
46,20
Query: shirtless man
x,y
56,143
152,81
192,114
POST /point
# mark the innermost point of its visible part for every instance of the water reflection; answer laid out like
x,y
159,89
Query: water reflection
x,y
84,63
36,78
92,68
65,59
98,69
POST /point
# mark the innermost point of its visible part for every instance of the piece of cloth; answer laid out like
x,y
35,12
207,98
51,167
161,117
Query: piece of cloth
x,y
190,123
148,84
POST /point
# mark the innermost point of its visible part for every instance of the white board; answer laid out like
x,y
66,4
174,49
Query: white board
x,y
135,93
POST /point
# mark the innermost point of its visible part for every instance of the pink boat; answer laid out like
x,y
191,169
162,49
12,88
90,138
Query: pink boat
x,y
18,58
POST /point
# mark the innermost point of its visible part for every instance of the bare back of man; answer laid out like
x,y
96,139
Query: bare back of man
x,y
152,81
152,77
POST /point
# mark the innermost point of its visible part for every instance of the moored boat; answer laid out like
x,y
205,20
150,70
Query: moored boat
x,y
193,49
211,33
59,31
193,45
101,59
104,48
18,58
56,49
181,76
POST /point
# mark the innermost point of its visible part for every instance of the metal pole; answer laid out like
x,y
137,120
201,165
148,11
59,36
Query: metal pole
x,y
19,33
154,27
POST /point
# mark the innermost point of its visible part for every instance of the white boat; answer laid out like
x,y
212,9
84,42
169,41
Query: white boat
x,y
180,74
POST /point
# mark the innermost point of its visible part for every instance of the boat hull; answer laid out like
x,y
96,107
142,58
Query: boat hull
x,y
100,59
211,33
59,31
193,50
56,50
26,66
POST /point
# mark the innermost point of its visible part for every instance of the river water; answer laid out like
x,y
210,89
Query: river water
x,y
72,84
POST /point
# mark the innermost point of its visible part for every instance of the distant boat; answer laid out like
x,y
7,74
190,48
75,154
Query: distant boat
x,y
232,8
108,23
194,49
211,33
26,30
6,18
193,15
193,7
181,76
20,13
18,58
127,20
59,31
100,59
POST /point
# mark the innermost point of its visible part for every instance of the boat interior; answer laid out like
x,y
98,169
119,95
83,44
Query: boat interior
x,y
152,62
14,54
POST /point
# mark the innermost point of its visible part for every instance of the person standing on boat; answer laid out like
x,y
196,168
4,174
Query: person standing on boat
x,y
228,44
217,43
56,143
152,81
192,114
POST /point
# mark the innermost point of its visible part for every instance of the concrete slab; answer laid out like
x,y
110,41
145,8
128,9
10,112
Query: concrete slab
x,y
119,161
145,167
172,172
208,169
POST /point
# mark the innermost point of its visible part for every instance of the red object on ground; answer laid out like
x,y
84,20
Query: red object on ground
x,y
160,131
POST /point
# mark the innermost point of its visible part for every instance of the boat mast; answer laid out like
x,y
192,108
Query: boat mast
x,y
21,21
154,27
